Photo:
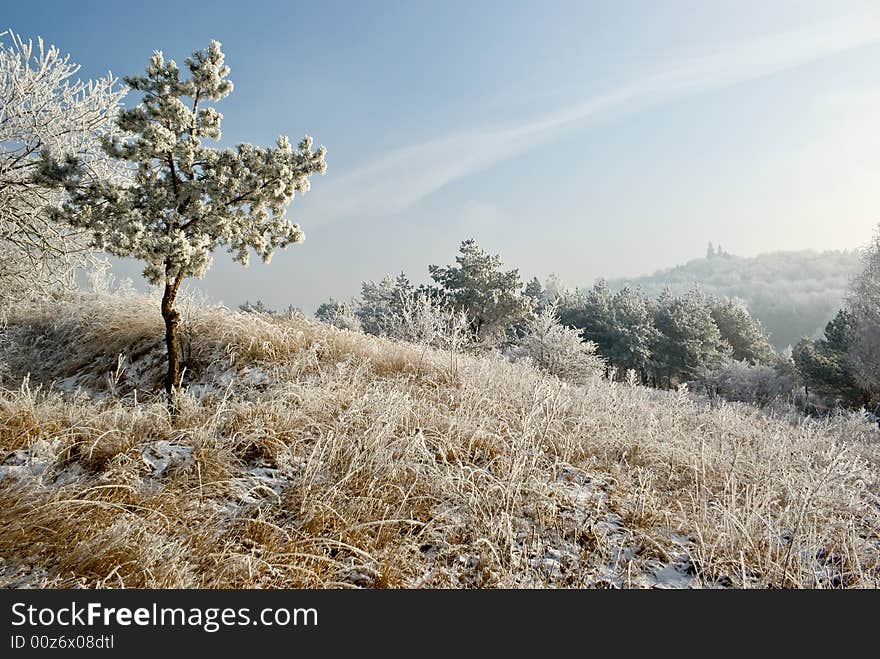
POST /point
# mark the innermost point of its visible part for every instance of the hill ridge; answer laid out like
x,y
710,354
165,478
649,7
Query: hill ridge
x,y
794,293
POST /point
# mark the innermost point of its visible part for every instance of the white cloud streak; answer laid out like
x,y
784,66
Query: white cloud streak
x,y
397,181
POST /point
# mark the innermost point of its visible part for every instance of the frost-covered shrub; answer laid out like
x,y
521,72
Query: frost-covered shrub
x,y
261,308
748,383
431,321
557,349
256,307
339,314
381,302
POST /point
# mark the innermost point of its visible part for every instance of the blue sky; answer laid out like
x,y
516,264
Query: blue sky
x,y
586,139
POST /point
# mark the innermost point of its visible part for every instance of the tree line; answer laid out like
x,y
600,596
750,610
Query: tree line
x,y
712,342
792,293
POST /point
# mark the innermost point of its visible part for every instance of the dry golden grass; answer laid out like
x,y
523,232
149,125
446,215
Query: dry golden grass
x,y
306,456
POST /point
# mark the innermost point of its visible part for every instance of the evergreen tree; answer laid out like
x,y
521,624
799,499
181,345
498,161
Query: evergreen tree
x,y
688,344
592,313
554,289
256,307
535,292
186,199
824,365
491,297
742,332
633,333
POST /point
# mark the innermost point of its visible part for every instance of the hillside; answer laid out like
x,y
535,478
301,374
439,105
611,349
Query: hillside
x,y
307,456
793,294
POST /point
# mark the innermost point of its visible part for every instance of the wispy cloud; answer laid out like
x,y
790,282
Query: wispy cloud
x,y
399,180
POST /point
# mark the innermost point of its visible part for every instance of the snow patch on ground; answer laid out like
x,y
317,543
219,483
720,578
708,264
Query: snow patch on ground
x,y
30,464
162,454
24,576
679,573
258,483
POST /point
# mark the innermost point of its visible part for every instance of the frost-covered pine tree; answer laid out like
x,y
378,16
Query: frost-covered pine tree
x,y
746,336
535,291
689,344
491,297
186,199
826,365
633,332
44,109
592,312
258,307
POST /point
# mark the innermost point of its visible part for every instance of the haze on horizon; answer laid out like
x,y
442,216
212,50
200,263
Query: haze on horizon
x,y
581,139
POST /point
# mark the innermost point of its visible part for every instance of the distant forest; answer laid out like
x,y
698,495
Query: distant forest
x,y
793,294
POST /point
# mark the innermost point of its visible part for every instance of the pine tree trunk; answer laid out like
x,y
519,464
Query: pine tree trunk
x,y
172,319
